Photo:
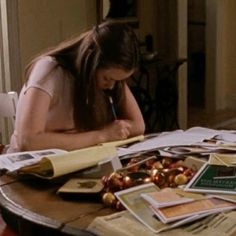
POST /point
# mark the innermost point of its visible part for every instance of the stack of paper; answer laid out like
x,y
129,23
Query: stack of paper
x,y
180,141
210,205
147,203
170,205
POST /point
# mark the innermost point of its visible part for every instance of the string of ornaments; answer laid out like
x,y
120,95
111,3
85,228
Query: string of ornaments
x,y
141,169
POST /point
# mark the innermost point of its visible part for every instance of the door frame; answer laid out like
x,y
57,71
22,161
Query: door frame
x,y
10,69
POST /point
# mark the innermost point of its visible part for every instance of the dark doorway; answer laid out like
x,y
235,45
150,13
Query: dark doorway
x,y
196,54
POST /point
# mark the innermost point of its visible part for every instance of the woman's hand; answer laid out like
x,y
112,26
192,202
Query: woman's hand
x,y
118,129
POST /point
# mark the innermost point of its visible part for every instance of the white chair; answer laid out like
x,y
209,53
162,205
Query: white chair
x,y
8,102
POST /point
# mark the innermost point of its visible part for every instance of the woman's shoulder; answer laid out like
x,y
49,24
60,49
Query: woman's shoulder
x,y
45,62
43,72
45,75
43,67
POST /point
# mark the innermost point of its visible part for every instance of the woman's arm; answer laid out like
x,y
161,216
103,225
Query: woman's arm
x,y
132,114
32,135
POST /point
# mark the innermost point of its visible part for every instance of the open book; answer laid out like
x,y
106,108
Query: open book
x,y
52,163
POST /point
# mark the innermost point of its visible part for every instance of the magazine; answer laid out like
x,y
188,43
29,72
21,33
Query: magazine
x,y
137,206
165,197
218,175
208,205
141,210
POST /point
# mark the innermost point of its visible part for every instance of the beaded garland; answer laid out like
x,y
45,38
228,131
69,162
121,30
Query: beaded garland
x,y
145,168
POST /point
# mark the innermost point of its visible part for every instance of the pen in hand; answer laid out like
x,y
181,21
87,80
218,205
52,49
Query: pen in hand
x,y
112,107
108,93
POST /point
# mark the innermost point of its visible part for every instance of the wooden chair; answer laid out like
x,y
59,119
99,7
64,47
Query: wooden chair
x,y
8,102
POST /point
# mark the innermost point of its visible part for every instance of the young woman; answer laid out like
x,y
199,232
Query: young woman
x,y
64,103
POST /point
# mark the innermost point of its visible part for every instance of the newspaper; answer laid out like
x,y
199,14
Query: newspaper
x,y
123,223
15,161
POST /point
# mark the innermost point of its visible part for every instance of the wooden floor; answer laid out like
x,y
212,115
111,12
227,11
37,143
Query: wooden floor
x,y
224,119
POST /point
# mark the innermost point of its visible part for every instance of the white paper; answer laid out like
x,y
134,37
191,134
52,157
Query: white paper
x,y
227,137
195,135
14,161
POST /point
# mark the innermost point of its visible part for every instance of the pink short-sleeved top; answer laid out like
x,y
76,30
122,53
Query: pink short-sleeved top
x,y
53,80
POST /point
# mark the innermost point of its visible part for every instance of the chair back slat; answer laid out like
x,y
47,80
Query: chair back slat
x,y
8,103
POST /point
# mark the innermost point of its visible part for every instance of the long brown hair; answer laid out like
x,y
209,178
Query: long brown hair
x,y
109,44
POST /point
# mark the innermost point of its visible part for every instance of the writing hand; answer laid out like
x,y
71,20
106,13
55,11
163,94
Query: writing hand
x,y
117,130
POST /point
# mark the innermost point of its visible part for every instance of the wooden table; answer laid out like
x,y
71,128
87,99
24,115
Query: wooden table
x,y
33,207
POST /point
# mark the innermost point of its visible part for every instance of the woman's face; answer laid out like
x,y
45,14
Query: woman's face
x,y
106,78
